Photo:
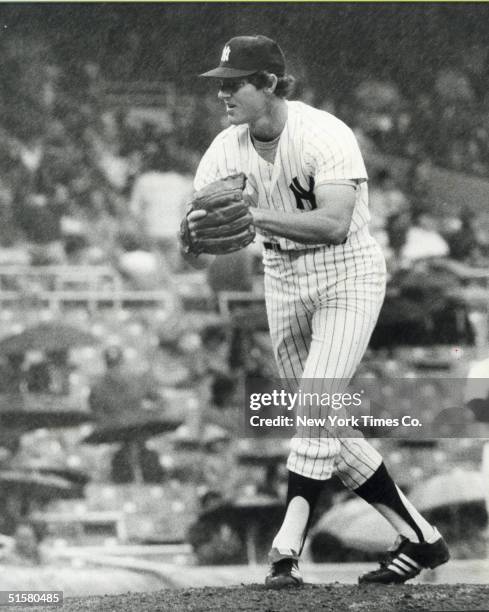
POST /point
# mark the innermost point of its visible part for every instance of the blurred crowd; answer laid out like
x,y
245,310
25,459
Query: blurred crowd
x,y
84,181
442,117
77,180
144,370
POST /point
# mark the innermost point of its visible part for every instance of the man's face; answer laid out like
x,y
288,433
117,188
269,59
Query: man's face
x,y
244,102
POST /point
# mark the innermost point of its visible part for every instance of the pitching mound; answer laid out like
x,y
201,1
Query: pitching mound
x,y
333,597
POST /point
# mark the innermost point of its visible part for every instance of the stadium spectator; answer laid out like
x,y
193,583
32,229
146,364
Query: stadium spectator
x,y
215,346
25,550
41,222
386,200
158,202
77,250
423,239
463,241
120,392
38,375
60,370
50,373
12,379
123,461
142,267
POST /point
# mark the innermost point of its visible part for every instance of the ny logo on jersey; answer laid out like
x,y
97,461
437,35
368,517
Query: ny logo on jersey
x,y
301,194
225,54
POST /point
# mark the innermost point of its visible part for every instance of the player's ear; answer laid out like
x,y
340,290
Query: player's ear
x,y
272,83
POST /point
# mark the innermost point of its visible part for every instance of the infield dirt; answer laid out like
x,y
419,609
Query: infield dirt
x,y
328,597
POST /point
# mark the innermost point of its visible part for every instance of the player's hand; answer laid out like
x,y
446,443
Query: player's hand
x,y
218,220
192,217
204,261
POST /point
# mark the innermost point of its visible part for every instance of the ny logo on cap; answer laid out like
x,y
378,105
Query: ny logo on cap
x,y
225,53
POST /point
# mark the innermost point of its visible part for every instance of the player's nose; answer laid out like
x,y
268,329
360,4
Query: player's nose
x,y
223,94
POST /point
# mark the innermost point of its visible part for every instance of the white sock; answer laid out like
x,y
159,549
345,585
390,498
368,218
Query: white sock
x,y
430,534
289,538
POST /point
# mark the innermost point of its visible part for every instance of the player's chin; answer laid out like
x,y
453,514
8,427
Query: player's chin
x,y
235,118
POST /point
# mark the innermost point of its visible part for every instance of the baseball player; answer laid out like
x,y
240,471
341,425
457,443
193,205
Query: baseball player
x,y
324,286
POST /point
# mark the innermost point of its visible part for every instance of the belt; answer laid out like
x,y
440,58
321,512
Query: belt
x,y
275,246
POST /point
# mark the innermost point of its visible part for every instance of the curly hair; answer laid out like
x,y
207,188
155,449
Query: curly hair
x,y
285,84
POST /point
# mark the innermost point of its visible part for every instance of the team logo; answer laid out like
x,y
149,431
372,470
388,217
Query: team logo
x,y
225,54
302,195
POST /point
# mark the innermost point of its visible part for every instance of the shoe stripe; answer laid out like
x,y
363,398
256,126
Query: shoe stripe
x,y
410,561
402,565
396,569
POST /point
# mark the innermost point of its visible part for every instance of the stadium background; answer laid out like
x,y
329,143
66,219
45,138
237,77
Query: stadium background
x,y
93,97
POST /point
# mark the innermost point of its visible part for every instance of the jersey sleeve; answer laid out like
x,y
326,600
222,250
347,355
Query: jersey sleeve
x,y
208,170
333,154
220,160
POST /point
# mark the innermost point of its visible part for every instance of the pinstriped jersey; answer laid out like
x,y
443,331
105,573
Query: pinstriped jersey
x,y
314,147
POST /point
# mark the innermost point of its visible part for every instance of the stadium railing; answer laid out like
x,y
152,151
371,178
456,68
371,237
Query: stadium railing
x,y
59,286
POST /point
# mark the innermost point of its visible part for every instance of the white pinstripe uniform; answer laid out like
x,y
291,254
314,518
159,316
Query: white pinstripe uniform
x,y
322,301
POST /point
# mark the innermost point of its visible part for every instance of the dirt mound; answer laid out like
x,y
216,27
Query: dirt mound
x,y
331,597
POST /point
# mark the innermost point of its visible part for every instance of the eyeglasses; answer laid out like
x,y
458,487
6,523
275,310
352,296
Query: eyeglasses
x,y
231,85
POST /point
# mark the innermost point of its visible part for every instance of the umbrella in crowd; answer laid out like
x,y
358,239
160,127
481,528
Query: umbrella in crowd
x,y
23,412
24,490
263,456
211,435
142,424
132,431
48,336
31,485
250,515
50,467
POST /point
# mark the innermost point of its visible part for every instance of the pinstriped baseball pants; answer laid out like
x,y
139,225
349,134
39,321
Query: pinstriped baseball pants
x,y
322,305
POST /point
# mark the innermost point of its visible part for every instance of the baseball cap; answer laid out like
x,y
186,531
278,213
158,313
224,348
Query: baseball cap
x,y
245,55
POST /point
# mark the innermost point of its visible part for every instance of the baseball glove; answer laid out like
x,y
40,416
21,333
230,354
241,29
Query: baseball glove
x,y
228,224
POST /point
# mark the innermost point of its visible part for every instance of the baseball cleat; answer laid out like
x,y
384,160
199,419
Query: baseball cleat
x,y
284,571
407,560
